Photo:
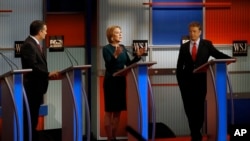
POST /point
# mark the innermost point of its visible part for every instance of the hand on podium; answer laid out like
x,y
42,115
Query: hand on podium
x,y
140,52
234,59
54,75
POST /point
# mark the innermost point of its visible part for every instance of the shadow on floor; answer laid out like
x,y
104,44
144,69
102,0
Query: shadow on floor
x,y
55,135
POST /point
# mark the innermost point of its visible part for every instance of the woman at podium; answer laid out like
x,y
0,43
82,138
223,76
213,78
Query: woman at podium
x,y
116,58
193,86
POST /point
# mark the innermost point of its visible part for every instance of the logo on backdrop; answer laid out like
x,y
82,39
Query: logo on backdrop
x,y
137,44
17,46
240,48
56,43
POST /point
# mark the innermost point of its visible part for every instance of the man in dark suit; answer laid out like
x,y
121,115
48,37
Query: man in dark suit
x,y
35,82
193,86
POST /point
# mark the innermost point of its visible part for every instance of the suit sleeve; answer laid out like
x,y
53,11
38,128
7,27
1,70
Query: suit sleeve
x,y
110,60
215,52
30,60
180,65
134,60
128,60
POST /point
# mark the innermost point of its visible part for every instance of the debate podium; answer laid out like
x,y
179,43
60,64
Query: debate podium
x,y
74,98
216,97
12,97
137,98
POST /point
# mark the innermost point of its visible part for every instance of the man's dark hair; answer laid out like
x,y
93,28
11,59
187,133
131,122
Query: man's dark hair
x,y
195,24
36,26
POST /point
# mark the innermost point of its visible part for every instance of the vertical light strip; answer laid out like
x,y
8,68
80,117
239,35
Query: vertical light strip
x,y
221,88
204,21
18,96
143,91
77,86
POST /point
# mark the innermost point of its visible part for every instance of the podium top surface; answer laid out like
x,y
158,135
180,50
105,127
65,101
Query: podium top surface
x,y
203,68
125,70
14,72
75,67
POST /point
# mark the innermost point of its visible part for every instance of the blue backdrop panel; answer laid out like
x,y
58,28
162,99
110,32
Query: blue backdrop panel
x,y
240,106
170,23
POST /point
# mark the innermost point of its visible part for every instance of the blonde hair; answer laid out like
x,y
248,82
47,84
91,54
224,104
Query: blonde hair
x,y
110,32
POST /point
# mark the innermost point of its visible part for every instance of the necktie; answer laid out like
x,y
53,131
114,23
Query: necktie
x,y
194,51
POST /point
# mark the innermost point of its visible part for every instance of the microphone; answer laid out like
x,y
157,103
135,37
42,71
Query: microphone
x,y
68,57
10,63
72,57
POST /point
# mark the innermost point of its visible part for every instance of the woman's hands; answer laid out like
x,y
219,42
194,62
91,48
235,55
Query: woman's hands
x,y
140,52
118,51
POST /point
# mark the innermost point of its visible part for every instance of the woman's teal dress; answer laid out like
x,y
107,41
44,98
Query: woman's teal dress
x,y
115,87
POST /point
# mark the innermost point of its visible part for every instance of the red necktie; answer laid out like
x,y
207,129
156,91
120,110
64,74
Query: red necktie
x,y
194,51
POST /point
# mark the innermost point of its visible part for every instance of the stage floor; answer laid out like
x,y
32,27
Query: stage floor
x,y
183,138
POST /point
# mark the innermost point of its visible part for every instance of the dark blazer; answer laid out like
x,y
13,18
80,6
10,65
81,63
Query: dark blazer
x,y
185,64
33,58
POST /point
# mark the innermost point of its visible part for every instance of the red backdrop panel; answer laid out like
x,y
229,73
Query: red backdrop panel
x,y
223,25
72,26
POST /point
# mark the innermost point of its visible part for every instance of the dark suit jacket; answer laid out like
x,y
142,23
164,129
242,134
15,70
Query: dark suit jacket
x,y
185,65
32,58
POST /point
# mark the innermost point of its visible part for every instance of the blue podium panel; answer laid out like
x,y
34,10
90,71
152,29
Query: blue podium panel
x,y
143,91
137,95
18,98
216,98
221,89
73,95
12,94
77,85
72,106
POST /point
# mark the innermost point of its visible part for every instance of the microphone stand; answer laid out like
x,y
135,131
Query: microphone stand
x,y
68,57
8,61
71,56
